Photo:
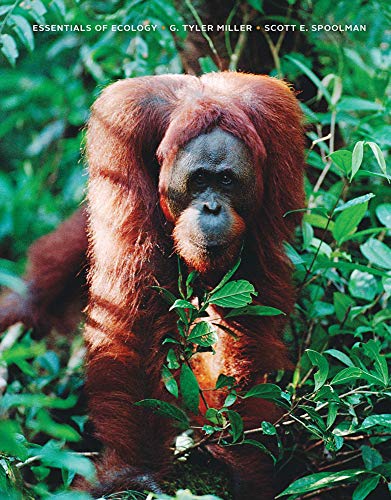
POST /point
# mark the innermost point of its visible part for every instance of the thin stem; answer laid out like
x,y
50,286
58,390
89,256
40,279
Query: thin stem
x,y
204,34
240,44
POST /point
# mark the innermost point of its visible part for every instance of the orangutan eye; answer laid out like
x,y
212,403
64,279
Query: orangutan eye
x,y
200,178
226,179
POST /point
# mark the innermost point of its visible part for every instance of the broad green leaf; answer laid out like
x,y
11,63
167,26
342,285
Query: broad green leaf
x,y
234,294
254,311
237,425
225,381
321,480
378,153
190,390
270,392
342,357
356,201
347,375
348,266
363,285
268,429
169,381
10,442
293,256
23,29
383,420
215,416
322,364
348,221
182,304
377,252
46,424
383,213
366,487
358,104
9,48
357,157
164,409
53,456
319,221
203,334
343,160
371,457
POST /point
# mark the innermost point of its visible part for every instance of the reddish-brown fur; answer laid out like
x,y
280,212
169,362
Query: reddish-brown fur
x,y
136,128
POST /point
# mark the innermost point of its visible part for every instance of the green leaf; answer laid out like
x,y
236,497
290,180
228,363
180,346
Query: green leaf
x,y
321,362
164,409
270,392
378,153
254,311
207,64
366,487
342,304
321,480
166,294
23,29
182,304
343,160
190,390
358,104
215,416
172,360
324,263
37,400
319,221
261,446
357,157
230,399
226,277
383,213
169,381
347,375
371,457
52,456
203,334
268,429
348,221
311,75
257,5
363,285
9,48
293,256
383,420
355,201
237,425
234,294
377,252
340,356
225,381
46,424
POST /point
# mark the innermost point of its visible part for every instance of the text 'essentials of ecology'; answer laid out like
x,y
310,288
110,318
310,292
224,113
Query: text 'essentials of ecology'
x,y
195,27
